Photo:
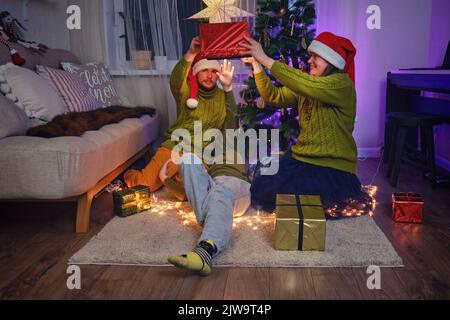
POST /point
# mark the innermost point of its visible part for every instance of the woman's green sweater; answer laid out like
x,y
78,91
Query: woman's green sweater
x,y
327,110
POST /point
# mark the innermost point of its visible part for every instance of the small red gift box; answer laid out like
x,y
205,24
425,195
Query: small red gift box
x,y
407,207
221,40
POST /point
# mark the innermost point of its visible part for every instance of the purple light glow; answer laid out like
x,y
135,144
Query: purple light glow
x,y
407,29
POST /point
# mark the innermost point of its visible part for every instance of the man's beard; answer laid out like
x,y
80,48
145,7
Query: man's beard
x,y
206,89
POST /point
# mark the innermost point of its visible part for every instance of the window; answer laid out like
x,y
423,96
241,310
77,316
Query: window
x,y
138,11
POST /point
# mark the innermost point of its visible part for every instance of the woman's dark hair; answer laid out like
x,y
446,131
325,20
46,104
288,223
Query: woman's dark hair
x,y
329,70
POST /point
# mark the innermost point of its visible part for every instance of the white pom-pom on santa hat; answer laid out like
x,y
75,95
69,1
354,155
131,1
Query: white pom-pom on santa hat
x,y
192,103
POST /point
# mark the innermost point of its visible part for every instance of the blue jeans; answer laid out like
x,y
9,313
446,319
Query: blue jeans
x,y
215,201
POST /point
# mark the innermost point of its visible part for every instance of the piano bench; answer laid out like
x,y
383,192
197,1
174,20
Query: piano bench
x,y
401,123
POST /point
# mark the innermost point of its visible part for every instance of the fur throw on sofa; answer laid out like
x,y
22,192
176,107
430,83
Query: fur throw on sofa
x,y
76,123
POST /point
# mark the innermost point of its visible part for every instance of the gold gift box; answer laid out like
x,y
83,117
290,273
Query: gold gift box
x,y
131,201
300,223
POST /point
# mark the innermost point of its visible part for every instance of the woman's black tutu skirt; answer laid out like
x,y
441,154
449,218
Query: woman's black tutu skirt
x,y
335,187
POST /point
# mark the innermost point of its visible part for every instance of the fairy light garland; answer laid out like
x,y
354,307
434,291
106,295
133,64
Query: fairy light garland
x,y
255,222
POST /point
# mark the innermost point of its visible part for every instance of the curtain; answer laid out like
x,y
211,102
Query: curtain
x,y
152,35
88,44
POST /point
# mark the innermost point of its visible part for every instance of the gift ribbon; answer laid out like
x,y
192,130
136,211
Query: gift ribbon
x,y
300,220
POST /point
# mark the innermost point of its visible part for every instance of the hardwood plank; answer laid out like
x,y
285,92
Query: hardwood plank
x,y
432,250
391,286
54,285
423,285
160,283
248,284
335,283
48,255
410,254
291,284
212,287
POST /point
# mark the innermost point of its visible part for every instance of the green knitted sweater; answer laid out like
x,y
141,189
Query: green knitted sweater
x,y
211,109
327,110
216,110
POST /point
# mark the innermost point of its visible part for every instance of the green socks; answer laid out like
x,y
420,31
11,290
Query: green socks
x,y
199,259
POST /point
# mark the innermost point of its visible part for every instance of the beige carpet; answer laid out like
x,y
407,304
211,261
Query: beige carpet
x,y
149,238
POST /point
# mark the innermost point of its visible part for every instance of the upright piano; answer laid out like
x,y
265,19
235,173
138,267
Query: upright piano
x,y
409,91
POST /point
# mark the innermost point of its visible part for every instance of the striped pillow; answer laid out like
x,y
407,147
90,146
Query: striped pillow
x,y
71,88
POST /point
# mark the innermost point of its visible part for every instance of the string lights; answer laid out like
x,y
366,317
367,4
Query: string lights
x,y
256,221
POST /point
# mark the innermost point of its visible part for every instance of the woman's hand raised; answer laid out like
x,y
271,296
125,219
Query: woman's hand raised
x,y
255,49
257,68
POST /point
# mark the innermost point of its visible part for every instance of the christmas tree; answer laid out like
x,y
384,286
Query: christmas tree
x,y
285,29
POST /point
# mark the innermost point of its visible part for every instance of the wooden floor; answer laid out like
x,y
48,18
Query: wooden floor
x,y
36,240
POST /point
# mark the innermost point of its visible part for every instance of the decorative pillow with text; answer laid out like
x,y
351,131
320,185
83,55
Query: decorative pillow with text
x,y
76,96
97,79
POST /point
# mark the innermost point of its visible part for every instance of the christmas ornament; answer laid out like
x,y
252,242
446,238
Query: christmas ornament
x,y
304,44
220,11
266,38
260,104
292,19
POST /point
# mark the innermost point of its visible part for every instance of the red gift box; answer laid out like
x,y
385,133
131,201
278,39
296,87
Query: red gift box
x,y
221,40
407,207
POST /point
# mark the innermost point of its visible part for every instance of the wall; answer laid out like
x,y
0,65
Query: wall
x,y
439,37
402,42
45,20
13,6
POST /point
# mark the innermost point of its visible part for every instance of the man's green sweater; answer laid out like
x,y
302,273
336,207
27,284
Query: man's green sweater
x,y
327,110
211,109
219,111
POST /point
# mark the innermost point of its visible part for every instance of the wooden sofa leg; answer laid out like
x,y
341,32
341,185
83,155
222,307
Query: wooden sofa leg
x,y
83,212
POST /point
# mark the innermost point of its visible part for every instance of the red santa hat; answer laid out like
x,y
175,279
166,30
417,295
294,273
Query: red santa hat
x,y
198,65
338,51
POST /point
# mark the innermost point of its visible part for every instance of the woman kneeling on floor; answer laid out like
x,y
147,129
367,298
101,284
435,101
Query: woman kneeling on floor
x,y
323,161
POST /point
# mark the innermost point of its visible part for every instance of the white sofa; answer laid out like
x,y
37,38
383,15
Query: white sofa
x,y
70,168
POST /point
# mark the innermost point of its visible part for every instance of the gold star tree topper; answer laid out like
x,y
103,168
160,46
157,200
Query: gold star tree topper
x,y
219,11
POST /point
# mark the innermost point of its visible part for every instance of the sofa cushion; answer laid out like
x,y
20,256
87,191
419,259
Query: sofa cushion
x,y
97,78
37,97
71,89
57,168
13,120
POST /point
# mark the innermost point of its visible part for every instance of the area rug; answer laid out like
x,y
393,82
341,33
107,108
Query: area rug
x,y
148,238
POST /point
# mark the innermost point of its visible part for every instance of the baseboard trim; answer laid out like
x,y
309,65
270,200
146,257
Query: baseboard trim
x,y
369,152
